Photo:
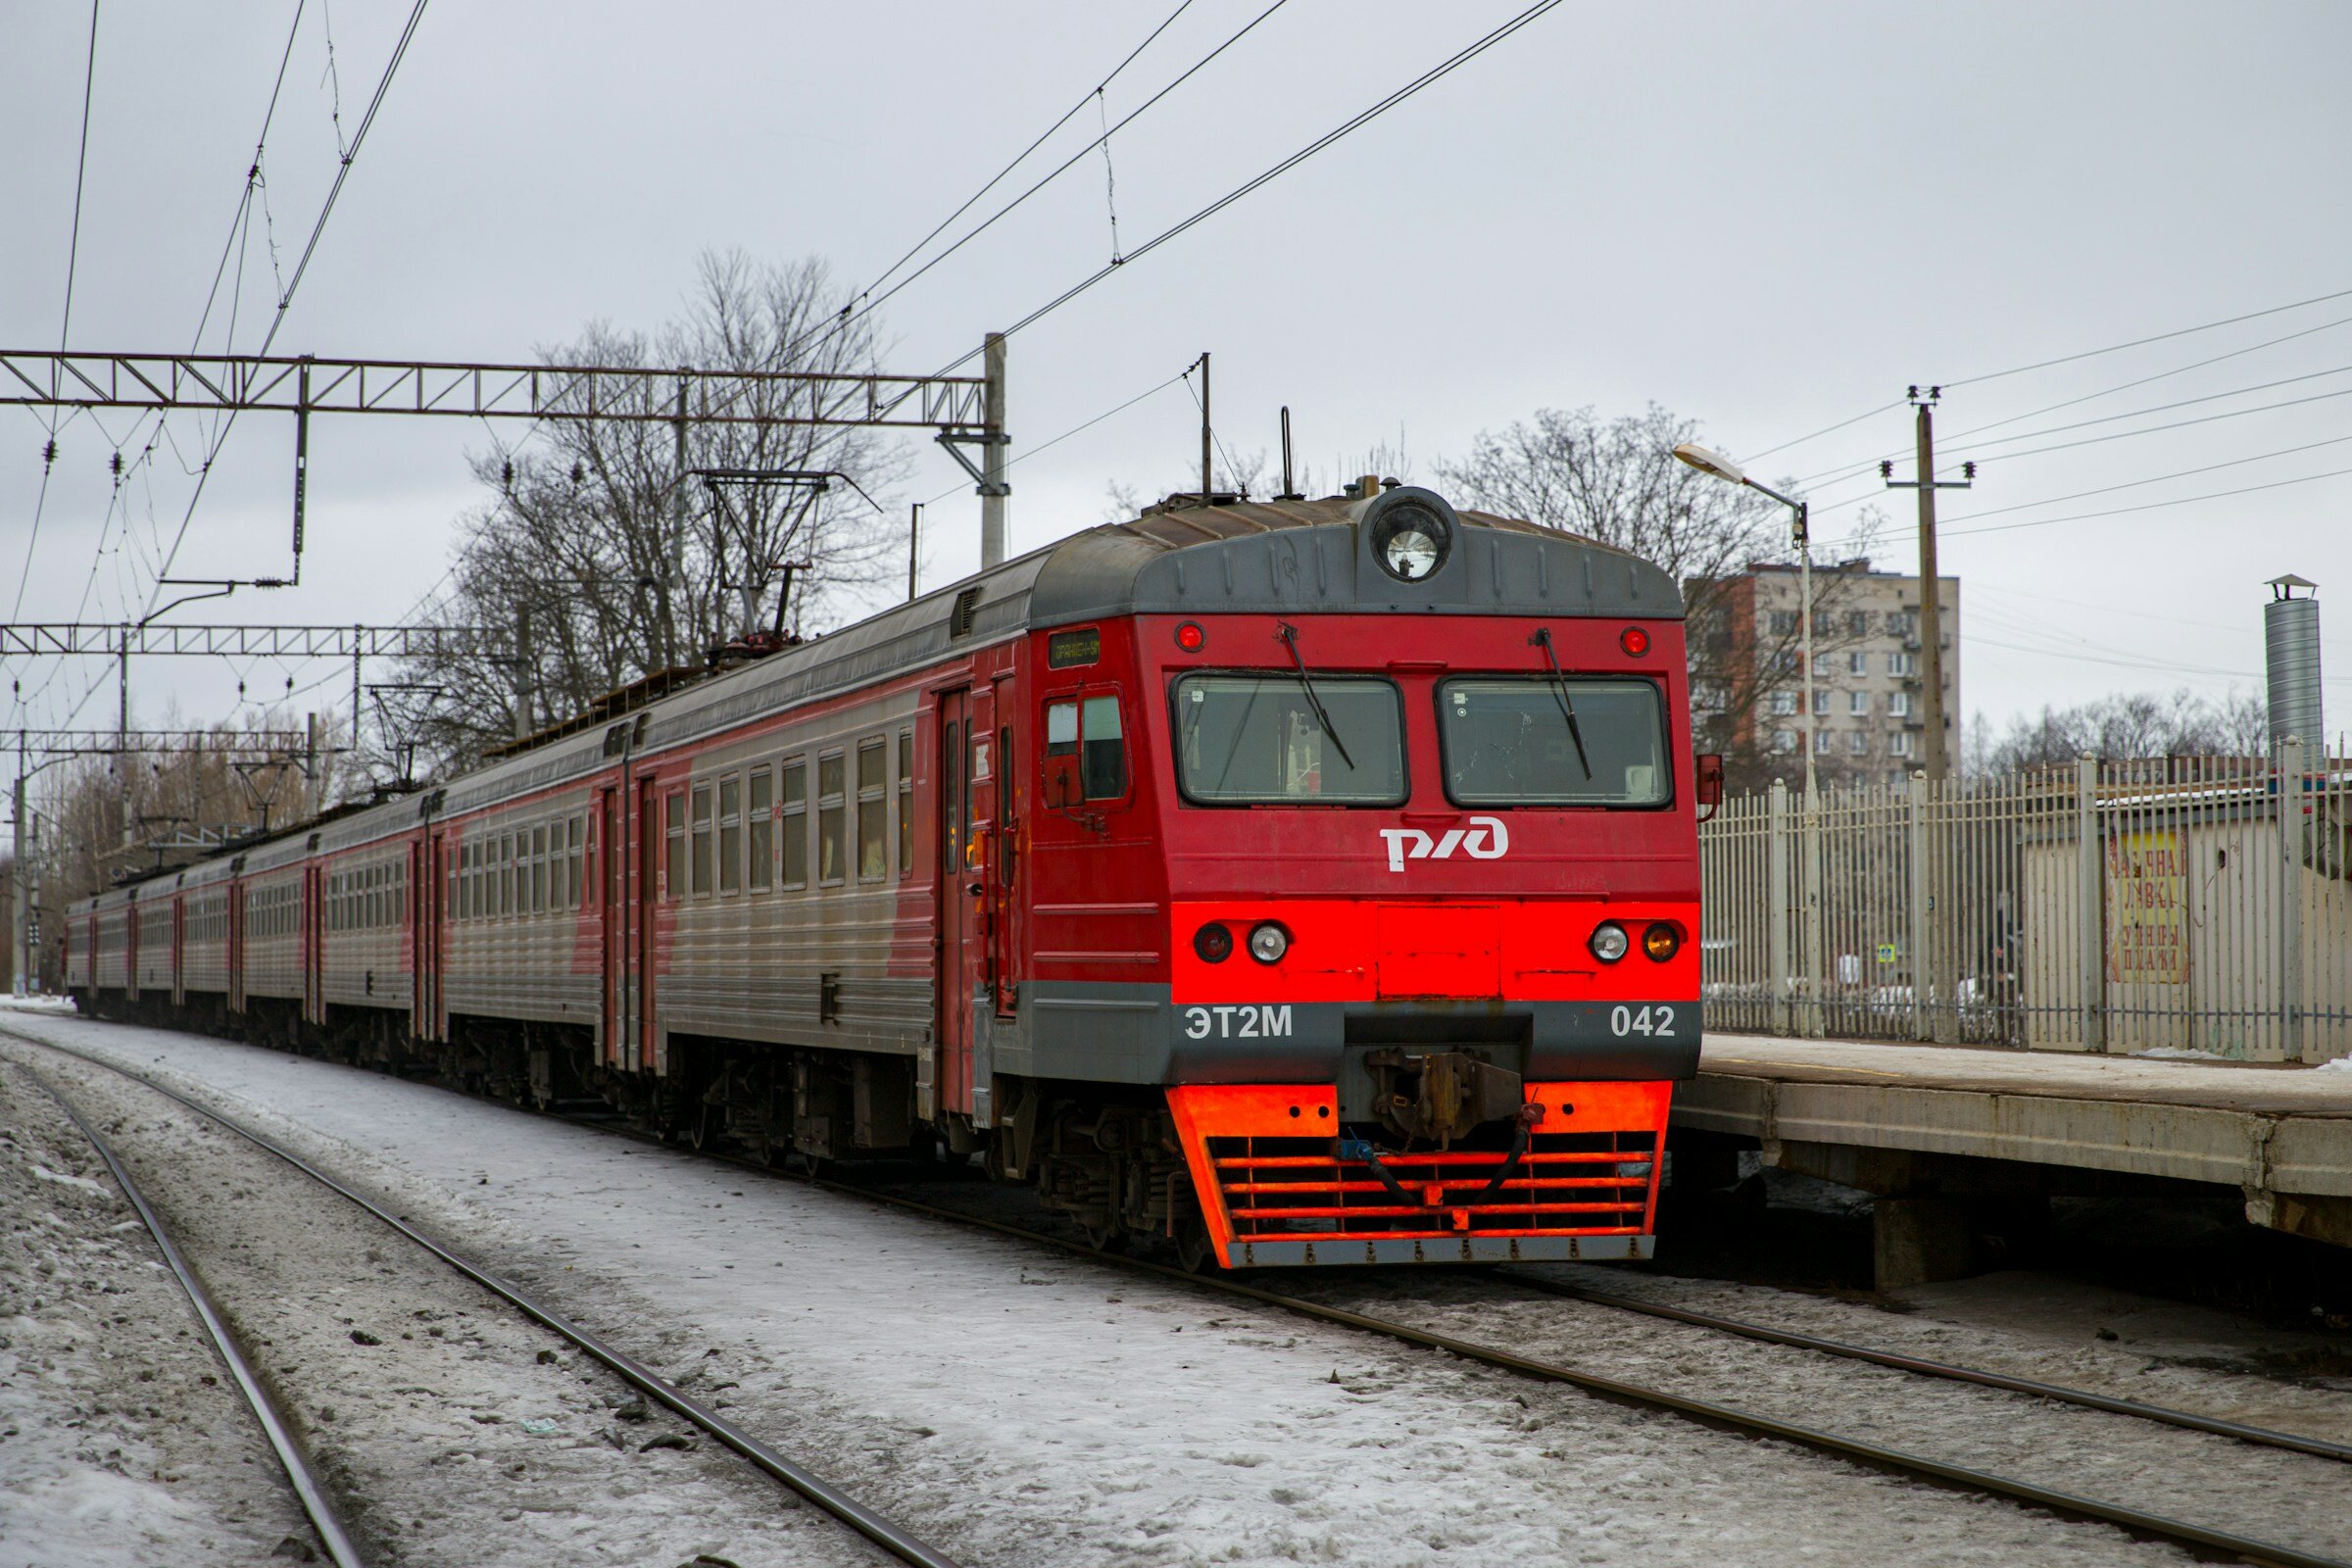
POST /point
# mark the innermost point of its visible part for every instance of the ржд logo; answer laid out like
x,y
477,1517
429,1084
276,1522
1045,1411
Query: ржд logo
x,y
1485,839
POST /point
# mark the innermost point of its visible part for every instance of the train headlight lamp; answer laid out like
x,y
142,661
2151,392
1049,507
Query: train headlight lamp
x,y
1213,942
1268,942
1609,942
1661,942
1410,540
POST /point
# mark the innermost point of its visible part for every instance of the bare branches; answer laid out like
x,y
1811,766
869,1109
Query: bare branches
x,y
606,559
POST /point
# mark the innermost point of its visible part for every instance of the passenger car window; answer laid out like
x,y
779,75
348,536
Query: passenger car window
x,y
830,865
701,849
906,803
1257,740
1507,742
730,833
796,824
762,821
673,848
873,812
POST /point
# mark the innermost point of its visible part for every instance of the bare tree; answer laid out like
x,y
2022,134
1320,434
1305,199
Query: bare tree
x,y
598,560
1618,481
2126,726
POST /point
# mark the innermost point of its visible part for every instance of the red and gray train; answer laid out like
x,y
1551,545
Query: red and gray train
x,y
1302,882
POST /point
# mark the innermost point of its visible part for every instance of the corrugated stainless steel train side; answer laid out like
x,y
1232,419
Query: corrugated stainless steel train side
x,y
837,901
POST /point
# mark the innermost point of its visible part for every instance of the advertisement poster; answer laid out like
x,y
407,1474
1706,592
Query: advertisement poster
x,y
2147,907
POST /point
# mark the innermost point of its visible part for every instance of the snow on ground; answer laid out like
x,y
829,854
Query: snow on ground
x,y
120,1440
453,1431
1027,1409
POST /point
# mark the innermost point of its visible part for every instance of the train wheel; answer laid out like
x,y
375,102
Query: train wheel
x,y
1196,1253
1108,1237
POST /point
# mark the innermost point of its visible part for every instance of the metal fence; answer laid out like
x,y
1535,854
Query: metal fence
x,y
2118,906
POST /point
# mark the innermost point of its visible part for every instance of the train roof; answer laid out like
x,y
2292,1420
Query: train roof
x,y
1231,557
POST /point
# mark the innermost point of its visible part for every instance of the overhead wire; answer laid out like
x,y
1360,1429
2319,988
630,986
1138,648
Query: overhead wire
x,y
1076,429
1354,123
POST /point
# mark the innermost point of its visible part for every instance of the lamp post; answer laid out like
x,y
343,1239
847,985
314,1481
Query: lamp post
x,y
1809,1016
1724,469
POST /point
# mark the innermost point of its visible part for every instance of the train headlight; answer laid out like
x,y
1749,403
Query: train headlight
x,y
1410,540
1661,942
1268,942
1213,942
1609,942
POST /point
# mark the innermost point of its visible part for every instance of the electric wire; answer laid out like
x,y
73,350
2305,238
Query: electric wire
x,y
1362,117
1075,429
285,299
998,178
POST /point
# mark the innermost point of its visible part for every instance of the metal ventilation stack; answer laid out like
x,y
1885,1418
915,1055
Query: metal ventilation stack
x,y
2290,635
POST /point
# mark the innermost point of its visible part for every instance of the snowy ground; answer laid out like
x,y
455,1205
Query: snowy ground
x,y
1026,1410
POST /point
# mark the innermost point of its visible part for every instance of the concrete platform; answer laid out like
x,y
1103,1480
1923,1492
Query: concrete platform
x,y
1933,1125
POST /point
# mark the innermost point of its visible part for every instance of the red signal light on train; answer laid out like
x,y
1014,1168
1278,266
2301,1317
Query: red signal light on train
x,y
1634,641
1191,638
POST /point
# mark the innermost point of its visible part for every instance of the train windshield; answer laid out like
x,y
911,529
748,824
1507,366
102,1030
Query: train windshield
x,y
1541,741
1269,740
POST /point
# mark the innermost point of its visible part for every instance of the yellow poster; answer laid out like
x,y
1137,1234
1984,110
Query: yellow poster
x,y
2147,907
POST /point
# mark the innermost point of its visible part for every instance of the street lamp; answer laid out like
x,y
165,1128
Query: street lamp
x,y
1724,469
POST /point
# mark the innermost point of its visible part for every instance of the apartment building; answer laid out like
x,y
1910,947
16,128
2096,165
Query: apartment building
x,y
1868,688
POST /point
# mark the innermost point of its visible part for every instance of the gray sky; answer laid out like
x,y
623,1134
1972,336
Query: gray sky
x,y
1768,219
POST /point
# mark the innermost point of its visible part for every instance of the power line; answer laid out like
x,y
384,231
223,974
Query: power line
x,y
1071,431
2141,342
2146,506
1447,66
850,318
342,173
1022,156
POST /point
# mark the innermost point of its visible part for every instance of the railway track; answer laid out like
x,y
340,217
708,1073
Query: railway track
x,y
2200,1540
891,1537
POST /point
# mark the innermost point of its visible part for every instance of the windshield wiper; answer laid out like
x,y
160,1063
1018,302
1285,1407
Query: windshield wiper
x,y
1306,684
1559,689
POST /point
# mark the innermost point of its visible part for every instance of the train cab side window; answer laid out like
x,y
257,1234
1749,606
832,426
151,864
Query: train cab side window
x,y
760,840
873,812
796,824
673,847
730,834
1090,729
702,840
906,803
830,845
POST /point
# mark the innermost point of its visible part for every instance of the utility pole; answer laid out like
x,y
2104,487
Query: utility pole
x,y
1207,431
914,550
993,488
20,944
1938,760
675,565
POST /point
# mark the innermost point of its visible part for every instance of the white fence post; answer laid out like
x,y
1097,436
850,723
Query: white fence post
x,y
1816,942
2292,806
1776,915
2092,897
1919,937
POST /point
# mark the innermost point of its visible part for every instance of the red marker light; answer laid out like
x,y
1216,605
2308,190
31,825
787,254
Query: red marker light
x,y
1191,638
1634,641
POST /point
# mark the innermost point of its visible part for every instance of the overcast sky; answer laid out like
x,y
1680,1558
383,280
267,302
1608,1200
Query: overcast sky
x,y
1767,218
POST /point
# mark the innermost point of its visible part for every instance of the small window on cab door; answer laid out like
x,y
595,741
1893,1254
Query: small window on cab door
x,y
1088,730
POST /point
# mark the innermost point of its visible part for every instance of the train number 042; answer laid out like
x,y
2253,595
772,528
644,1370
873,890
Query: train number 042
x,y
1656,1022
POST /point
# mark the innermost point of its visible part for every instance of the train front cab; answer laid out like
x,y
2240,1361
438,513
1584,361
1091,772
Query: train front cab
x,y
1432,894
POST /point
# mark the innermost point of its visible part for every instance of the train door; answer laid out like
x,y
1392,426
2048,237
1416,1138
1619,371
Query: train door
x,y
236,945
1005,862
312,947
611,877
429,896
958,890
644,925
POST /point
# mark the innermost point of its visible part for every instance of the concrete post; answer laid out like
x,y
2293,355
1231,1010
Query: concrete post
x,y
993,489
1921,940
18,946
1816,938
1776,907
2092,897
2294,813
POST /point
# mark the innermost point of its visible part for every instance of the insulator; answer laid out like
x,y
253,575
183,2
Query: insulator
x,y
115,463
1885,468
48,453
1967,470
